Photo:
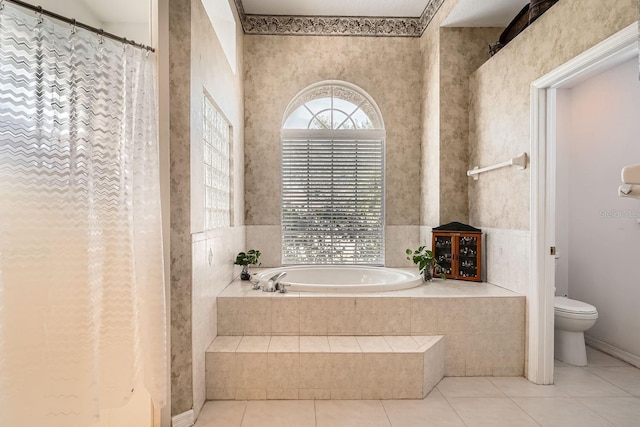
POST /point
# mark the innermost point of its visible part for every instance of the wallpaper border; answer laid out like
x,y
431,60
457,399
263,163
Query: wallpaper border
x,y
337,25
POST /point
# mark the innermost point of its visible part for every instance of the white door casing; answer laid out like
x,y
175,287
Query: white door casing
x,y
613,51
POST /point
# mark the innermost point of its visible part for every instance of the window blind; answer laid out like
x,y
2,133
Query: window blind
x,y
332,201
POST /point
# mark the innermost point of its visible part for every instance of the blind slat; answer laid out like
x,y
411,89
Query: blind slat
x,y
332,201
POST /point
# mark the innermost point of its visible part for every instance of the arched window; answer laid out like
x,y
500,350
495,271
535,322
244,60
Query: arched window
x,y
333,177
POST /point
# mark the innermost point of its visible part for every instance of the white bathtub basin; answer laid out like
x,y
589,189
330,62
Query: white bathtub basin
x,y
342,278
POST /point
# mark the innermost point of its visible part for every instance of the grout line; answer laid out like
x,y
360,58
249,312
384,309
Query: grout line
x,y
525,411
585,368
385,412
315,413
448,403
246,403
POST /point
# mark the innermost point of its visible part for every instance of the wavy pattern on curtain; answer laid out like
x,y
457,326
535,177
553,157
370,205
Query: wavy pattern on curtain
x,y
82,313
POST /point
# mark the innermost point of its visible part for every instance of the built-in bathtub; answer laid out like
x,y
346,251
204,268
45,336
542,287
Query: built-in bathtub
x,y
341,278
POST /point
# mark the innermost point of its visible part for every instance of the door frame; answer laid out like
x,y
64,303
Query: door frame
x,y
613,51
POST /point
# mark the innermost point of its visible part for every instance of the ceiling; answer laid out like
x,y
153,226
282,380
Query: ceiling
x,y
120,11
369,17
362,8
466,13
484,13
395,18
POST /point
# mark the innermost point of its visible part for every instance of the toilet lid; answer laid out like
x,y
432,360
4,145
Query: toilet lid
x,y
572,306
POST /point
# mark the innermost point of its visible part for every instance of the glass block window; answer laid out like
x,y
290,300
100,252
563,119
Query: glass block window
x,y
217,167
333,178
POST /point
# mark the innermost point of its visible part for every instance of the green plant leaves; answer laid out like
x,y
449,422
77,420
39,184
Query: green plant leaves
x,y
251,257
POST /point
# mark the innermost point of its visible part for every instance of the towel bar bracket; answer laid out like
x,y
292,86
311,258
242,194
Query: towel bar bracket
x,y
520,162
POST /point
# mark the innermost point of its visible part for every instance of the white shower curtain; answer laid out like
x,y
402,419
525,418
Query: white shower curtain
x,y
82,313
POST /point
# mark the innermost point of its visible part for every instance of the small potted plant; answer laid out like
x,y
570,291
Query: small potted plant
x,y
245,259
425,261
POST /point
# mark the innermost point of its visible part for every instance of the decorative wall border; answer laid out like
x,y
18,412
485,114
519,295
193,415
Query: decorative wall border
x,y
337,25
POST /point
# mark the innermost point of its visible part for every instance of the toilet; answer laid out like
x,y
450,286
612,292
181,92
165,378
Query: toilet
x,y
572,318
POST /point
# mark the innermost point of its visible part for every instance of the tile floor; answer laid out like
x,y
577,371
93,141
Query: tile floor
x,y
605,393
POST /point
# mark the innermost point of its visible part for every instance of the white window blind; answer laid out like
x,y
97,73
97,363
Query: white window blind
x,y
333,177
333,201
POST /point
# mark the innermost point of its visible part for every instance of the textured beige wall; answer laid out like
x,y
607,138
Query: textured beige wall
x,y
213,251
179,60
450,55
278,67
430,138
462,51
500,100
202,261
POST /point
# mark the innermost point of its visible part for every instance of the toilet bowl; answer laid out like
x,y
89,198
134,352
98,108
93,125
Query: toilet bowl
x,y
572,318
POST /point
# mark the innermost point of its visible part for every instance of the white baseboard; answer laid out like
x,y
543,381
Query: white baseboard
x,y
185,419
612,350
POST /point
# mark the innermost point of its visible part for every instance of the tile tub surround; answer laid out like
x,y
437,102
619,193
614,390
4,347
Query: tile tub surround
x,y
334,367
483,324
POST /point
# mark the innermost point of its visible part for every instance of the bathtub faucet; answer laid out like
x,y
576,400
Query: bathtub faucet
x,y
274,284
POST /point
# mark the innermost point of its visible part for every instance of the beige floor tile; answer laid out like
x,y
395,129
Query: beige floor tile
x,y
254,344
221,414
351,413
373,345
579,382
598,358
420,413
624,377
560,412
314,344
560,364
468,387
435,394
279,413
521,387
347,344
490,412
225,343
282,344
426,341
621,411
402,344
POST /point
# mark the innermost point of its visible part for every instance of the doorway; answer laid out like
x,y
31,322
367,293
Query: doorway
x,y
615,50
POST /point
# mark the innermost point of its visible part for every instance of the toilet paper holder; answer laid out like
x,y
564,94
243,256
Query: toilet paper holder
x,y
630,181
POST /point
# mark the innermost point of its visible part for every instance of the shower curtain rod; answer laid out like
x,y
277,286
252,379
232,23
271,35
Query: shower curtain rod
x,y
75,23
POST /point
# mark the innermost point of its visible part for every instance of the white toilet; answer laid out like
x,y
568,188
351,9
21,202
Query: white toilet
x,y
572,318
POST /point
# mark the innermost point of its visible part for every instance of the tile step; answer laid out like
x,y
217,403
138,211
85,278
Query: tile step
x,y
323,367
